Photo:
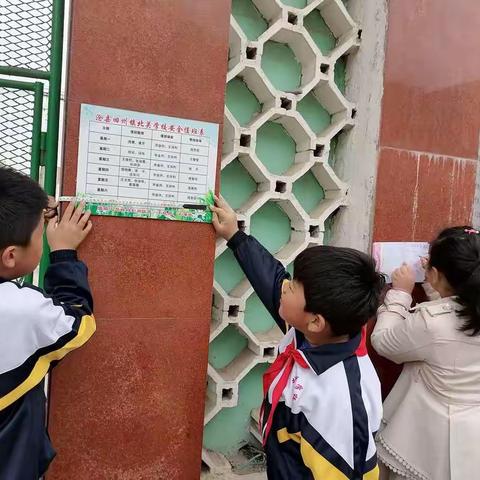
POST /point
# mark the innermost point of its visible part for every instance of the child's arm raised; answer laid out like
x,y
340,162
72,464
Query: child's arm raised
x,y
265,273
44,326
66,279
399,334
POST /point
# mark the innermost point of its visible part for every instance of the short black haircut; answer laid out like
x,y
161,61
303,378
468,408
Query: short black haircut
x,y
341,284
22,202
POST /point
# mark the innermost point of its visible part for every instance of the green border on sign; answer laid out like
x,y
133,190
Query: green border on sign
x,y
182,214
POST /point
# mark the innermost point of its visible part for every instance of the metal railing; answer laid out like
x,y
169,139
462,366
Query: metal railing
x,y
31,47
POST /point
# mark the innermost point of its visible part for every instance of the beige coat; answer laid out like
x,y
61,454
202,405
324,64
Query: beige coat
x,y
431,426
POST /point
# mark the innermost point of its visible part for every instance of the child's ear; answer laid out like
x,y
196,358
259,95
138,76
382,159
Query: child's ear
x,y
434,276
8,257
316,323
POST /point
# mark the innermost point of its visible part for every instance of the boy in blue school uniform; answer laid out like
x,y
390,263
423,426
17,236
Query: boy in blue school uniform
x,y
322,404
37,328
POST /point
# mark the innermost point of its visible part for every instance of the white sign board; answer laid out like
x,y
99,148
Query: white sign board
x,y
391,255
133,164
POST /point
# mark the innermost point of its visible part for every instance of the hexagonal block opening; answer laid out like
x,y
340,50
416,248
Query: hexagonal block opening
x,y
228,135
275,148
308,191
317,117
314,231
290,60
340,73
331,99
281,66
227,271
236,44
251,53
241,101
257,317
295,3
226,347
249,18
211,396
334,146
269,352
337,19
271,226
227,394
237,186
320,32
229,429
233,311
329,224
286,103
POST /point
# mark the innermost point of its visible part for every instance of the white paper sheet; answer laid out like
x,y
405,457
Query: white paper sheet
x,y
391,255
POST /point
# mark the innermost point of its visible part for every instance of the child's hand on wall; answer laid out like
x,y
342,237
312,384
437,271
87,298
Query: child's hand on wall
x,y
403,278
71,230
224,219
51,210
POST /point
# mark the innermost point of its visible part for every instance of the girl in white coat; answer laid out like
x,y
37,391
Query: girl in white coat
x,y
431,425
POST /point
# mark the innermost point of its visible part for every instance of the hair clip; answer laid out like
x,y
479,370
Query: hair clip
x,y
471,231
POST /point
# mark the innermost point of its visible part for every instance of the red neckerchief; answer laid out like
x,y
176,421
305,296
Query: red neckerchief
x,y
285,361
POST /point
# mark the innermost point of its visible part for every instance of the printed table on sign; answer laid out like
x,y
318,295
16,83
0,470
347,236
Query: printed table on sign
x,y
141,165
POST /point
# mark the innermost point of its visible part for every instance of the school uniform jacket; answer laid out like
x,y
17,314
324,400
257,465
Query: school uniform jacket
x,y
37,329
329,407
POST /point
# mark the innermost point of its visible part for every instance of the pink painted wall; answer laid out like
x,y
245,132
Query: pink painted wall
x,y
130,404
429,142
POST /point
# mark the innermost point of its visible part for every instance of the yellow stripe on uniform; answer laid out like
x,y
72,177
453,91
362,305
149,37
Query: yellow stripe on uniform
x,y
284,436
372,474
318,464
86,330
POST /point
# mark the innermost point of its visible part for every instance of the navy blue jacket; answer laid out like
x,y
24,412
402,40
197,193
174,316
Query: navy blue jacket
x,y
37,329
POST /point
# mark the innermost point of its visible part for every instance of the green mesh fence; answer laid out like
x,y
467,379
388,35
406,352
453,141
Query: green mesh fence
x,y
25,33
16,122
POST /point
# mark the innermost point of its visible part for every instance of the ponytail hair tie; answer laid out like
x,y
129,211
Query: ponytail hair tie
x,y
471,231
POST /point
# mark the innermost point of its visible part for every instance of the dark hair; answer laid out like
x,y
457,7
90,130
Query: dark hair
x,y
456,254
341,284
22,201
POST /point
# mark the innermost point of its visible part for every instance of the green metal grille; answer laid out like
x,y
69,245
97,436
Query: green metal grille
x,y
25,34
20,125
31,41
16,120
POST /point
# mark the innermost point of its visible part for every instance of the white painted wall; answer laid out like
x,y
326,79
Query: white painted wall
x,y
357,152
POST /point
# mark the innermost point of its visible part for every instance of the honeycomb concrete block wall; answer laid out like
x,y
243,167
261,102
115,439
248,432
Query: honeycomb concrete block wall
x,y
285,111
